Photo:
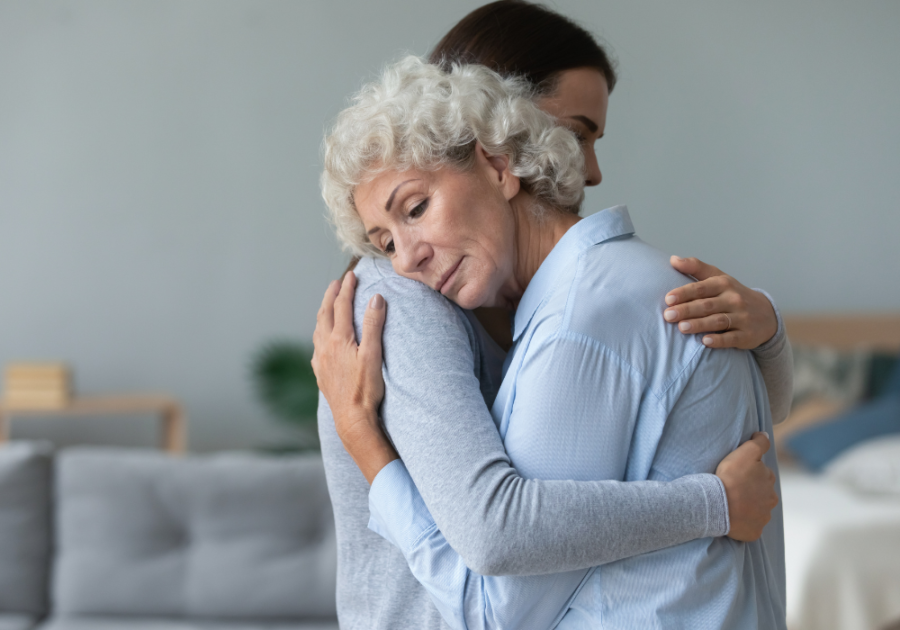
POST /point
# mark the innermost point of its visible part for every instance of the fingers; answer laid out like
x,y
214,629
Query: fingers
x,y
373,325
750,451
761,439
710,287
754,448
720,322
703,306
325,316
730,339
694,267
343,307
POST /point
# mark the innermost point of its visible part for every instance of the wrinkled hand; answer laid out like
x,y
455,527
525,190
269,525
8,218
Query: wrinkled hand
x,y
717,303
749,487
349,375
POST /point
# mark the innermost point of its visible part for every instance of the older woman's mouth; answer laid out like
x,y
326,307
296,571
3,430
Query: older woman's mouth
x,y
444,282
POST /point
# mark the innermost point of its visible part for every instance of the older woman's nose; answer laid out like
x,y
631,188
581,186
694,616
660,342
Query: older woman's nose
x,y
412,256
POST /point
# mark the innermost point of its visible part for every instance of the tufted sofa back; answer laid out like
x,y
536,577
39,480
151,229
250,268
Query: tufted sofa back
x,y
233,536
25,532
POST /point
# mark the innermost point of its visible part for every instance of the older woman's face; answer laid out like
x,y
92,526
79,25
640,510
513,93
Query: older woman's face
x,y
452,230
579,102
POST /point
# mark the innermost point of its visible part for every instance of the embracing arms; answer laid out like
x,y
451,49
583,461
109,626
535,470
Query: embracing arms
x,y
733,316
497,521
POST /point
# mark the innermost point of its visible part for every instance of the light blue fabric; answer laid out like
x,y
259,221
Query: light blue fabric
x,y
628,397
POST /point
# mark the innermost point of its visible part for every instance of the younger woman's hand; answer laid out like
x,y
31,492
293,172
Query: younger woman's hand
x,y
349,375
749,488
717,303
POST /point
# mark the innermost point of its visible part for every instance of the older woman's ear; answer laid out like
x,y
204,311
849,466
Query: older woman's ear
x,y
497,169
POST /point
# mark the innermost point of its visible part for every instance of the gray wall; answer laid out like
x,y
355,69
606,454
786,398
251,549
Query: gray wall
x,y
159,206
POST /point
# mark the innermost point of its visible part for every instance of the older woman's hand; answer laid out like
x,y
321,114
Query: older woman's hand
x,y
349,375
749,488
717,303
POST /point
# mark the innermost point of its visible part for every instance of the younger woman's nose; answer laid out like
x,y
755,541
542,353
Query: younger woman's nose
x,y
592,174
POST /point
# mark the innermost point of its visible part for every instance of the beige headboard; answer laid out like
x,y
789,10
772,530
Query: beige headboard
x,y
844,332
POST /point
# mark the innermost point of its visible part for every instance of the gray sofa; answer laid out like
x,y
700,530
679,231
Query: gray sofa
x,y
97,539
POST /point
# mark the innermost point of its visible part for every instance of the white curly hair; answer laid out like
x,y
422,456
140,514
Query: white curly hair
x,y
417,115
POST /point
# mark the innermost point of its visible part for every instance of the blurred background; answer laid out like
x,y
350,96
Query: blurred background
x,y
161,231
160,217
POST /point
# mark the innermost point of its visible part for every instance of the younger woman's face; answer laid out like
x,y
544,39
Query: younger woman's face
x,y
579,102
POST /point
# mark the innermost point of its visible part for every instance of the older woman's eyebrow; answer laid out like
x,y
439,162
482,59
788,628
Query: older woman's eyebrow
x,y
390,200
587,122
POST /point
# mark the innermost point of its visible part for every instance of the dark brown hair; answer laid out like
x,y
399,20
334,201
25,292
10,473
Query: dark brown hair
x,y
518,37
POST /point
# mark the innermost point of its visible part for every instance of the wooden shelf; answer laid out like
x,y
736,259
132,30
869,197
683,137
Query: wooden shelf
x,y
173,438
874,331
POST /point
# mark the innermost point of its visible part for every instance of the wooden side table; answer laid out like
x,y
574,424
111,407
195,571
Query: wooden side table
x,y
173,436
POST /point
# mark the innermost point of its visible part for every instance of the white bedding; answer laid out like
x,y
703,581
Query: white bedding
x,y
842,553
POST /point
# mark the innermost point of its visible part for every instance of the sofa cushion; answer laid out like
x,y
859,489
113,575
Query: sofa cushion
x,y
25,527
13,621
123,623
231,536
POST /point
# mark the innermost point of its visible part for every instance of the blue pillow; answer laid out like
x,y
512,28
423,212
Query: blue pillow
x,y
818,445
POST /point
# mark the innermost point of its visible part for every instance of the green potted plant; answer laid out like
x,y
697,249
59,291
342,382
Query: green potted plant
x,y
285,384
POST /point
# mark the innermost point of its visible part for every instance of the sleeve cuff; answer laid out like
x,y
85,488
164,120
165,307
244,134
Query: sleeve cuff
x,y
397,512
717,521
773,346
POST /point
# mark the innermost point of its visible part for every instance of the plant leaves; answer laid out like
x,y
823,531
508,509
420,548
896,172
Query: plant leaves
x,y
285,383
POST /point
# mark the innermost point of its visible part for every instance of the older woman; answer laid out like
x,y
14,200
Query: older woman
x,y
470,189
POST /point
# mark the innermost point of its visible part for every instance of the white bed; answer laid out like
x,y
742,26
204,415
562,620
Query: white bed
x,y
842,552
842,546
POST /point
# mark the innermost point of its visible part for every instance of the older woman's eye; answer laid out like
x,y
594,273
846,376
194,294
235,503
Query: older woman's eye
x,y
389,248
418,210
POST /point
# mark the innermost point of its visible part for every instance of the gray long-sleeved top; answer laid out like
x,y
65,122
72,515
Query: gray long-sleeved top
x,y
439,372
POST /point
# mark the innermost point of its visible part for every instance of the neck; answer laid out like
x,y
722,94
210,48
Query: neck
x,y
535,239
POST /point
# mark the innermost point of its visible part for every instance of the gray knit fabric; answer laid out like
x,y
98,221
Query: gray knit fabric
x,y
436,363
776,362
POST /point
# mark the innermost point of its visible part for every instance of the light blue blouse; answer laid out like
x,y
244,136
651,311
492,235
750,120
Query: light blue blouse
x,y
599,386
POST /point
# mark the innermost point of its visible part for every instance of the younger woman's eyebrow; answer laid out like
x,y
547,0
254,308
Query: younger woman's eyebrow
x,y
584,120
390,200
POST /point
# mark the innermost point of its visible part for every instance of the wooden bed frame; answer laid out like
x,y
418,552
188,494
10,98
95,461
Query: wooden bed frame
x,y
845,331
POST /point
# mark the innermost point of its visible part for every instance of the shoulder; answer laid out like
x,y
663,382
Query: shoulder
x,y
416,314
376,276
620,279
616,298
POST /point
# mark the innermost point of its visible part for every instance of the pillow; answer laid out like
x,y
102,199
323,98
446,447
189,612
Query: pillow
x,y
872,466
811,412
816,446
